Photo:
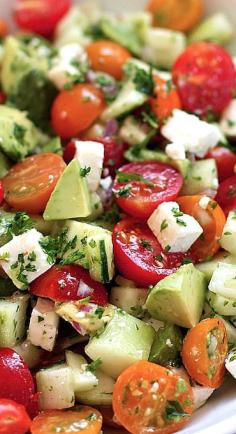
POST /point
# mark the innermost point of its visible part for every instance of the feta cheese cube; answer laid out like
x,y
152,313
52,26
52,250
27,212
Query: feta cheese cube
x,y
176,151
91,154
195,135
43,326
67,64
23,259
230,362
228,119
175,231
228,239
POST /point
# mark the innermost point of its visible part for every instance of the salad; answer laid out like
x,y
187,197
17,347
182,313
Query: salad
x,y
117,217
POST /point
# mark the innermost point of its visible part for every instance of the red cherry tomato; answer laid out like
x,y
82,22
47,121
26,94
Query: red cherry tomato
x,y
68,282
16,381
13,418
69,151
40,16
75,110
226,195
205,78
140,187
139,256
3,97
1,192
225,161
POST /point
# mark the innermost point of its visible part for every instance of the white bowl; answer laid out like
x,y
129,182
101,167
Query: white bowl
x,y
218,416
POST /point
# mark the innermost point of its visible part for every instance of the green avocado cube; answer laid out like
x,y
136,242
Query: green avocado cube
x,y
166,346
179,298
70,198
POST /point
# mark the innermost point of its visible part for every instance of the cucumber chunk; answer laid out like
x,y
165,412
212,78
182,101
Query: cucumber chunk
x,y
221,305
12,319
216,28
100,394
202,176
56,388
130,299
124,341
31,354
209,267
223,281
84,379
228,239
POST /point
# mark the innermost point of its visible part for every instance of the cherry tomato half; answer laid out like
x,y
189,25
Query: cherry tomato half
x,y
211,219
139,256
75,110
16,381
68,421
204,352
29,184
13,418
108,57
225,161
199,73
166,99
68,282
140,187
40,16
226,195
148,398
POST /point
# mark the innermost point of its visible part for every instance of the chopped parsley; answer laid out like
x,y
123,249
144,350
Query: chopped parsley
x,y
176,212
56,248
23,265
19,132
174,411
124,191
146,244
84,171
129,177
164,225
167,248
181,222
144,82
16,225
93,366
150,119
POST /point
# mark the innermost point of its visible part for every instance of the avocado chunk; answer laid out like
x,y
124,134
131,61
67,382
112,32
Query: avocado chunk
x,y
179,298
70,197
124,341
166,346
24,77
18,135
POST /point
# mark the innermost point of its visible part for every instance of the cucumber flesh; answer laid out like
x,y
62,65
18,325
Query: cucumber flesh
x,y
12,319
228,239
100,394
209,267
216,28
221,305
84,379
202,176
130,299
31,354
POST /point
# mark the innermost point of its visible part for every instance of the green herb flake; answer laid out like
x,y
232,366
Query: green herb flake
x,y
93,366
167,248
144,81
174,411
40,318
164,225
85,171
146,244
124,191
181,222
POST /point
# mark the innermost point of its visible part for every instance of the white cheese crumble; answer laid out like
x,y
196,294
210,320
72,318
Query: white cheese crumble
x,y
91,155
195,135
175,231
230,362
43,326
176,151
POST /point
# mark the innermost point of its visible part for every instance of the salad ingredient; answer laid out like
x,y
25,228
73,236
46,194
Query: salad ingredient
x,y
95,245
13,315
208,267
3,28
166,347
102,393
195,135
124,341
72,184
225,161
74,110
148,397
223,282
228,120
204,352
230,362
212,221
200,395
174,230
113,153
140,187
198,75
139,256
201,178
16,381
108,57
31,355
43,326
40,16
68,282
226,194
176,15
227,240
83,373
178,298
215,28
23,259
91,155
166,99
29,184
129,298
13,418
221,305
55,385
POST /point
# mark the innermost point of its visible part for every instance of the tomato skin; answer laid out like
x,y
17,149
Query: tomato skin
x,y
226,195
64,421
137,262
161,183
108,416
73,111
16,381
1,192
198,74
69,151
62,283
108,57
40,16
225,161
13,418
206,370
135,391
29,184
212,220
3,97
165,99
113,153
4,28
